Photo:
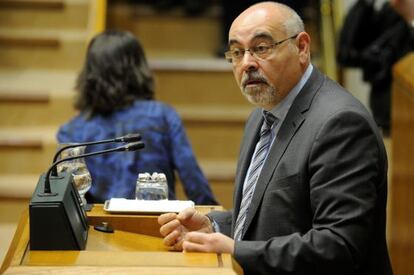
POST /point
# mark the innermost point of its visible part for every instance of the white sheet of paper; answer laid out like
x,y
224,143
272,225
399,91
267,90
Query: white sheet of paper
x,y
120,205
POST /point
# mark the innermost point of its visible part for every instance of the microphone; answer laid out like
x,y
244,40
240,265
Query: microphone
x,y
57,220
128,147
126,138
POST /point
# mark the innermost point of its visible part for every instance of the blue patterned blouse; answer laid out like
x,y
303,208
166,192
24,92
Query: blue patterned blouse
x,y
167,150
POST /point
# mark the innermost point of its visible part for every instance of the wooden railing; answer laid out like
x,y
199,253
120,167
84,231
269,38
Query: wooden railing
x,y
97,17
402,187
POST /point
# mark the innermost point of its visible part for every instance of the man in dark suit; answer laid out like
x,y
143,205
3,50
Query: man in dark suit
x,y
311,182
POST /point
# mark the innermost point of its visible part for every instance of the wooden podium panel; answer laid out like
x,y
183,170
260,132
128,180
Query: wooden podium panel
x,y
134,248
402,208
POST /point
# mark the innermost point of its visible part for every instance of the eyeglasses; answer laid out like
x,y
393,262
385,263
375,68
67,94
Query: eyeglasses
x,y
261,51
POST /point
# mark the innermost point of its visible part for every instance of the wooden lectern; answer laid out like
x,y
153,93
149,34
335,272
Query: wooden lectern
x,y
402,134
134,248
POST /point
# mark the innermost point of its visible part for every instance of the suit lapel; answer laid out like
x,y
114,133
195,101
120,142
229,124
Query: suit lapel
x,y
293,121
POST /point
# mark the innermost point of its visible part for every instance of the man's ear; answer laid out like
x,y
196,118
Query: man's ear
x,y
303,44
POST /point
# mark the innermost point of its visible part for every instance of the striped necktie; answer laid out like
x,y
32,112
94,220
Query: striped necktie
x,y
255,168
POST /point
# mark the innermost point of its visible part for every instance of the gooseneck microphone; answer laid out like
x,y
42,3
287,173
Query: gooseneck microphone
x,y
128,147
126,138
57,220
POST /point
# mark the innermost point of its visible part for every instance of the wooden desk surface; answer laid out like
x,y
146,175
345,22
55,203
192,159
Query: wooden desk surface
x,y
137,245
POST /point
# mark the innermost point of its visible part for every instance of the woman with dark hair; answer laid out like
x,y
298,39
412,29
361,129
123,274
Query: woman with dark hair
x,y
116,97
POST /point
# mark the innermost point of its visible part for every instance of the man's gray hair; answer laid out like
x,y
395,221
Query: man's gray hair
x,y
293,24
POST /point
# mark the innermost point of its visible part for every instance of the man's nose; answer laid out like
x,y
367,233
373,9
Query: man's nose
x,y
249,62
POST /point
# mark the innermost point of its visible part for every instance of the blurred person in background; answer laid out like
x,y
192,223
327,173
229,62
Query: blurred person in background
x,y
374,40
115,97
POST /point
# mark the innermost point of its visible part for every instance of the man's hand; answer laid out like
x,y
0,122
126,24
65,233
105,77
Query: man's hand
x,y
174,227
213,242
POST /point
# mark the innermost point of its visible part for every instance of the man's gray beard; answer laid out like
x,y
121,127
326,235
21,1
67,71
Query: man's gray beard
x,y
260,96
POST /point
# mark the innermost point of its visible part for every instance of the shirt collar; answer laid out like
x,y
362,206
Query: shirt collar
x,y
280,110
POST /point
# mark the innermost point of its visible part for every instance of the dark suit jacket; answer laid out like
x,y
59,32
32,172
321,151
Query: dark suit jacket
x,y
319,206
